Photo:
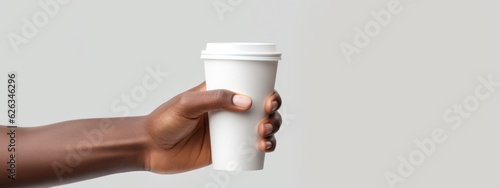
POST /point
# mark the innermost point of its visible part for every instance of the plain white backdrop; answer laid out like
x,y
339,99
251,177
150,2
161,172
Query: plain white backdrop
x,y
346,123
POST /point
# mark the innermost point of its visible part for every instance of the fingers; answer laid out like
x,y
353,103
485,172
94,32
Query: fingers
x,y
267,144
267,128
192,104
197,101
273,103
270,126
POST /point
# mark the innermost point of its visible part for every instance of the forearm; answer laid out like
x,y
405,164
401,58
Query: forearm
x,y
74,150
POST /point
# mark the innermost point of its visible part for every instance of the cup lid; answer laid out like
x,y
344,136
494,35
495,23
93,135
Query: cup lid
x,y
241,51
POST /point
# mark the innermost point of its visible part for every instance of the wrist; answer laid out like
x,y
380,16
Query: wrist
x,y
130,142
145,141
141,137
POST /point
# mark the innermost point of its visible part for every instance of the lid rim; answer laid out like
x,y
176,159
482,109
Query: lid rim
x,y
244,54
240,57
241,51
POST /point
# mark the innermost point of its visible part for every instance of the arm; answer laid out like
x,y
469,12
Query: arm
x,y
73,150
173,138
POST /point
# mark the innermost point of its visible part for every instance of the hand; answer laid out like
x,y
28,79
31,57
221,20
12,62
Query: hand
x,y
180,138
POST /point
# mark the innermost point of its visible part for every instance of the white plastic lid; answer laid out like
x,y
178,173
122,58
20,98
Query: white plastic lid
x,y
241,51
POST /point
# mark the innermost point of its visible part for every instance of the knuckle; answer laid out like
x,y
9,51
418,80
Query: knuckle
x,y
277,95
276,121
273,140
221,95
183,105
183,99
277,118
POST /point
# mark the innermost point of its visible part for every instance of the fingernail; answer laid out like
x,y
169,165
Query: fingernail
x,y
274,104
269,144
268,129
241,100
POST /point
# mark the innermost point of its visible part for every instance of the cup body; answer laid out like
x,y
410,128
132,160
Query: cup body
x,y
233,135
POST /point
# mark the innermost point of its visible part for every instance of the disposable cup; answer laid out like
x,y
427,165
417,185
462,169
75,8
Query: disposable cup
x,y
249,69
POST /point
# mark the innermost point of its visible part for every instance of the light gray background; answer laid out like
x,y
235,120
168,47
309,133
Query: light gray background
x,y
346,123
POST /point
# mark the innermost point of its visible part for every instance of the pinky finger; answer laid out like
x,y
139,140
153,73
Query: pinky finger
x,y
267,144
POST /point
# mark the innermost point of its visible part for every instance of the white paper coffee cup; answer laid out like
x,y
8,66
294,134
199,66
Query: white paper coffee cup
x,y
249,69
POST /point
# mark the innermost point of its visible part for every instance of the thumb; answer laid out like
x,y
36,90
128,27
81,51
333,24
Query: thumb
x,y
193,104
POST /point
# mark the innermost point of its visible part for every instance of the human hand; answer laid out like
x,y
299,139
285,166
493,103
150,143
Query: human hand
x,y
179,133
